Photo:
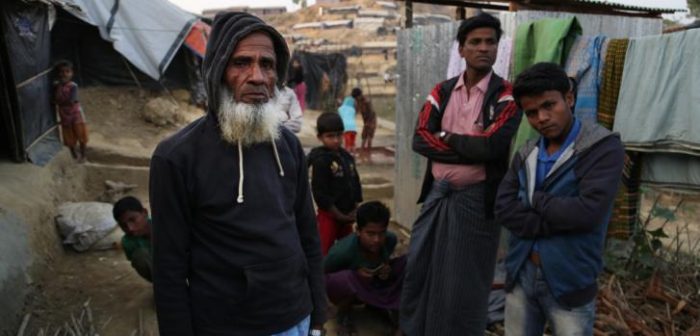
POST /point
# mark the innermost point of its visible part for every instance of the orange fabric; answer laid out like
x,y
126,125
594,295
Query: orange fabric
x,y
197,38
74,134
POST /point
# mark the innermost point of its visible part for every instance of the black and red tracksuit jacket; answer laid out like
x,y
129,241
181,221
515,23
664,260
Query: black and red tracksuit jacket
x,y
500,118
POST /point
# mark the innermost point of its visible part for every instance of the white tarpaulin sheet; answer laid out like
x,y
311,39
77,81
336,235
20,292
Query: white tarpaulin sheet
x,y
148,33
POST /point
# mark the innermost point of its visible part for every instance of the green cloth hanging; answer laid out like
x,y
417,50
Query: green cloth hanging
x,y
547,40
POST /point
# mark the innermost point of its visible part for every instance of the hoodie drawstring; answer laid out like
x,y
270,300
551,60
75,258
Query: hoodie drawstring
x,y
277,155
239,199
240,173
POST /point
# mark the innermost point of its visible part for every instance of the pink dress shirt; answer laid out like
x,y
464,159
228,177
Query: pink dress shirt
x,y
463,116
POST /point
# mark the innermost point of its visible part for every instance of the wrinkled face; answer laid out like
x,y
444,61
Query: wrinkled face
x,y
251,72
65,74
331,140
135,223
479,49
372,237
549,113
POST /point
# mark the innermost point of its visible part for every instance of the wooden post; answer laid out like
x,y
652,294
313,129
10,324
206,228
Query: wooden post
x,y
473,12
461,13
513,6
409,14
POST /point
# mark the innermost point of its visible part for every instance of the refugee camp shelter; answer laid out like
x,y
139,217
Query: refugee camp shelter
x,y
325,75
151,44
643,8
424,52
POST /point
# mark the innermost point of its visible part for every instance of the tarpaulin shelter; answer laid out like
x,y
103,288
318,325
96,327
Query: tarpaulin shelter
x,y
316,66
27,120
151,44
123,42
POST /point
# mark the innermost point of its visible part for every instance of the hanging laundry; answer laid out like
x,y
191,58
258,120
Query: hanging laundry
x,y
547,40
671,170
585,65
626,207
610,81
657,110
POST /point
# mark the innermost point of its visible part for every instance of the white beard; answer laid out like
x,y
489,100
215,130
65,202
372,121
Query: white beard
x,y
248,123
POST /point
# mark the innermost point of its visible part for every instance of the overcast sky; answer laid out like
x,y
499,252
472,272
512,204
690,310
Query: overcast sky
x,y
196,6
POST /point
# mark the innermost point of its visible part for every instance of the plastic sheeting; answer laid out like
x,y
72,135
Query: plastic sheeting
x,y
147,33
197,38
85,225
316,67
671,170
96,62
10,128
27,39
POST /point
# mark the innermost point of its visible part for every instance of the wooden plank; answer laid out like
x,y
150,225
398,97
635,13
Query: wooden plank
x,y
409,14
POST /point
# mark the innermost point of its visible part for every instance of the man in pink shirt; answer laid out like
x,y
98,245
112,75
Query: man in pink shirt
x,y
465,130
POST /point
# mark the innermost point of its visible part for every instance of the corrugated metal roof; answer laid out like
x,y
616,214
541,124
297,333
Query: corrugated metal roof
x,y
671,6
648,6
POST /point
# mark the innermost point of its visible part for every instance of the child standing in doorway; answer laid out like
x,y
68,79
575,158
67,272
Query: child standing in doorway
x,y
71,113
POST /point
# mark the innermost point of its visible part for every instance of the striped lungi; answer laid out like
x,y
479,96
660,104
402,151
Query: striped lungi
x,y
450,267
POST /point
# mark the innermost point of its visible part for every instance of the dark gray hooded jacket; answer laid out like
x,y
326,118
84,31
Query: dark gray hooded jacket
x,y
225,264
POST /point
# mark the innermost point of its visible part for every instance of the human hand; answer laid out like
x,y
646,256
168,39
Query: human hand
x,y
342,218
384,272
364,272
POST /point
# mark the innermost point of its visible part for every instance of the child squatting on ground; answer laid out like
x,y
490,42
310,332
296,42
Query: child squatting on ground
x,y
72,119
133,219
334,182
359,269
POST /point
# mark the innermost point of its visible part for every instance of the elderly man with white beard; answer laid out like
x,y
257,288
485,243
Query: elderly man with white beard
x,y
236,249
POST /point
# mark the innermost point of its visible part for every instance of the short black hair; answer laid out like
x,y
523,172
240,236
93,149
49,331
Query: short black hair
x,y
329,122
356,92
372,212
539,78
128,203
483,20
63,64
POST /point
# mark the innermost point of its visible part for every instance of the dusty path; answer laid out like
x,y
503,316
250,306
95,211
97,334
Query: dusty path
x,y
116,294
